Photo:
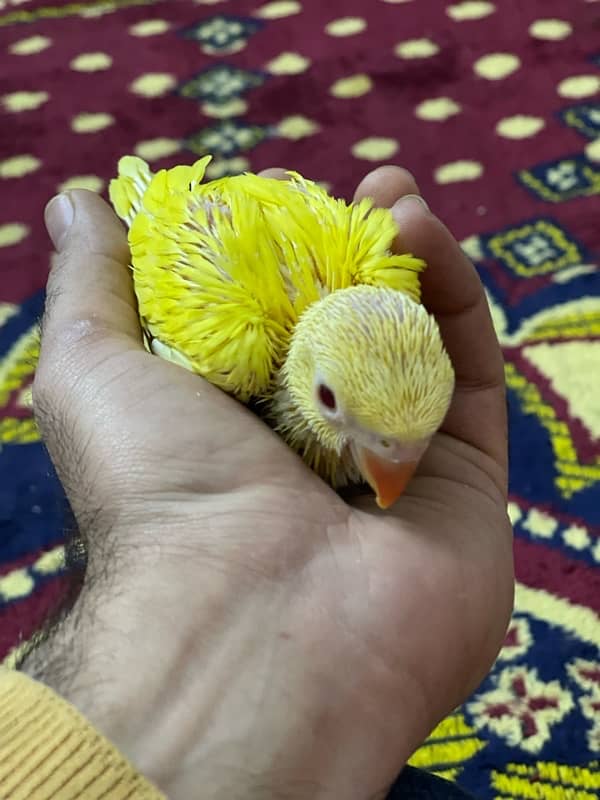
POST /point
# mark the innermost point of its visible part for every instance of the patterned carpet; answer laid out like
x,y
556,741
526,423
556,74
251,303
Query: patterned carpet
x,y
495,108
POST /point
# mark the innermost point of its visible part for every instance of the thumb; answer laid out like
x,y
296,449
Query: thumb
x,y
90,320
89,286
91,312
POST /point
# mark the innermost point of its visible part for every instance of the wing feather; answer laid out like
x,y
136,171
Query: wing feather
x,y
223,270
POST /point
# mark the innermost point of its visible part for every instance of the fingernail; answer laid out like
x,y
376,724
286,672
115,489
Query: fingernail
x,y
58,216
414,198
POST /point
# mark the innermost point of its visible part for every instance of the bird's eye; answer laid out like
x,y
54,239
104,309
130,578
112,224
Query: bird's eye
x,y
385,443
327,397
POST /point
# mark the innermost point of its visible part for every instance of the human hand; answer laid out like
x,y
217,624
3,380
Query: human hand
x,y
241,628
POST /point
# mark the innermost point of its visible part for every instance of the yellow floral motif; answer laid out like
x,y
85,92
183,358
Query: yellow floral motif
x,y
571,324
577,319
521,708
228,166
572,476
587,675
546,781
518,640
18,431
567,366
19,364
576,186
220,84
223,34
15,370
451,744
535,249
576,119
226,139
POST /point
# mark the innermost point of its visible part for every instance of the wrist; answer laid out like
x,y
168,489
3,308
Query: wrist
x,y
231,686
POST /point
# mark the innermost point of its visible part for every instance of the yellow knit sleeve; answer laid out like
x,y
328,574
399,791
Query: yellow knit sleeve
x,y
49,751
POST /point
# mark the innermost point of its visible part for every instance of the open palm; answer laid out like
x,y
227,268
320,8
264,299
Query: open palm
x,y
271,623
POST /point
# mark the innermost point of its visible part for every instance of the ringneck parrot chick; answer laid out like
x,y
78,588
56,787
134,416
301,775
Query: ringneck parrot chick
x,y
282,295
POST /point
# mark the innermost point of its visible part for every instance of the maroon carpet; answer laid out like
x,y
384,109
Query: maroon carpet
x,y
495,107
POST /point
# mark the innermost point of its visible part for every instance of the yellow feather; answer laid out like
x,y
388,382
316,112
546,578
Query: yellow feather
x,y
127,191
226,272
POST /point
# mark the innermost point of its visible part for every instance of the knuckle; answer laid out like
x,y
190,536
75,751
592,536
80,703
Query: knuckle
x,y
62,365
53,294
65,363
64,328
69,348
69,320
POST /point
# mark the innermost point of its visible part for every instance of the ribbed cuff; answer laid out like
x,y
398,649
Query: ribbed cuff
x,y
48,750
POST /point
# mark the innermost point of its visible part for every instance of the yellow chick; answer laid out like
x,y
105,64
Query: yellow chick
x,y
280,294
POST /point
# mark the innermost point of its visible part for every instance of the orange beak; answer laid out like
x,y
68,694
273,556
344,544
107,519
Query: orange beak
x,y
388,479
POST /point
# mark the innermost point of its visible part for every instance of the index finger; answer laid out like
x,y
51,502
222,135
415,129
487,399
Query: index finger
x,y
454,294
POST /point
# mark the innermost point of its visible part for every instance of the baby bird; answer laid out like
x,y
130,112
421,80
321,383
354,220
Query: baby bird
x,y
286,297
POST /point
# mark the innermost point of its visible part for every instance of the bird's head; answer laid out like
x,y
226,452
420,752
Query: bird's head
x,y
368,370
